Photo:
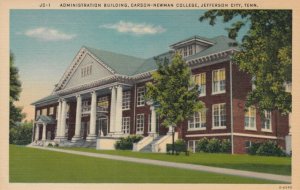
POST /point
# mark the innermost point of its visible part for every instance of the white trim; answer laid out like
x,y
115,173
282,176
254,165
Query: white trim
x,y
255,136
267,130
250,129
197,129
221,127
208,135
231,108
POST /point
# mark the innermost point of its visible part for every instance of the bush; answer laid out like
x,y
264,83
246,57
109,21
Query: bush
x,y
270,148
253,148
225,146
50,145
126,143
202,145
179,146
213,145
21,134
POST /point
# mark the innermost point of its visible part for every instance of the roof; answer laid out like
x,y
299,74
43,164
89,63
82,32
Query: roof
x,y
52,97
45,119
130,65
122,64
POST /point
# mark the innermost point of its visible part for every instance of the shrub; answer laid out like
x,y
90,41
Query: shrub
x,y
50,145
179,146
253,148
214,145
21,134
126,143
225,146
270,148
202,145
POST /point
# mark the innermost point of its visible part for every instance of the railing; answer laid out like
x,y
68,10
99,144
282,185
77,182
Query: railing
x,y
142,143
161,144
87,109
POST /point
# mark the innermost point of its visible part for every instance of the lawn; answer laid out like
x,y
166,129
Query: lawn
x,y
35,165
265,164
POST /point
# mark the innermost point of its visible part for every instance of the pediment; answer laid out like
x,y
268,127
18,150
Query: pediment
x,y
84,69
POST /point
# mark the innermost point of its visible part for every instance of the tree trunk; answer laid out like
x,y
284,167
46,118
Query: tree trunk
x,y
173,143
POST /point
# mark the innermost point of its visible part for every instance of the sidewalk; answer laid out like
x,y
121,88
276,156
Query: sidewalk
x,y
282,178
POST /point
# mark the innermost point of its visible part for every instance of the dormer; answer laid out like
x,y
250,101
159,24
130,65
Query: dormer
x,y
191,45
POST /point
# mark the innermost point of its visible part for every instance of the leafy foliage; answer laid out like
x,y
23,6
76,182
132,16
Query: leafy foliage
x,y
21,134
267,148
179,146
173,91
266,53
15,89
126,143
213,145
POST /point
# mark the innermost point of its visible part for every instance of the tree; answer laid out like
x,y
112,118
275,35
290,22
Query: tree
x,y
266,53
15,89
173,92
21,134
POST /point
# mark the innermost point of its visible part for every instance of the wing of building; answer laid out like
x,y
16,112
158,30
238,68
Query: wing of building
x,y
100,98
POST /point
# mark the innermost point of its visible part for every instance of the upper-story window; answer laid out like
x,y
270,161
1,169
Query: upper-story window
x,y
102,104
38,112
219,116
140,96
198,121
85,106
86,70
185,53
267,122
190,49
250,119
126,100
51,110
200,80
44,111
218,85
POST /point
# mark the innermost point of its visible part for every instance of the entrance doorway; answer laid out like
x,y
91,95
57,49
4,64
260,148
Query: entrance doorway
x,y
101,126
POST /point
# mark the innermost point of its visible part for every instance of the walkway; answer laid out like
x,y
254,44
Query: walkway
x,y
282,178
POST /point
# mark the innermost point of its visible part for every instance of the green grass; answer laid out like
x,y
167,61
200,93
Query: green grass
x,y
265,164
35,165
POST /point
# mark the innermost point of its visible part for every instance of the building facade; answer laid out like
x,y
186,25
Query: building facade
x,y
100,98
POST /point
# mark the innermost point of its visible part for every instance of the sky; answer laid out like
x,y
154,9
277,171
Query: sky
x,y
44,42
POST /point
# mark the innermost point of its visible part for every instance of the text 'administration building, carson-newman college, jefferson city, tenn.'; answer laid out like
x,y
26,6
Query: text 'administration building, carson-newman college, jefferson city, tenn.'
x,y
100,98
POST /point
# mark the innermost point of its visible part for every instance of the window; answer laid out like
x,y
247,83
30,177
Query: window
x,y
51,110
192,145
126,125
185,51
140,123
219,116
198,121
38,112
250,119
126,100
218,85
266,122
86,70
200,80
141,96
44,111
102,104
190,50
248,144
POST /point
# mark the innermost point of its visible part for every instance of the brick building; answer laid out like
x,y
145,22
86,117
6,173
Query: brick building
x,y
100,98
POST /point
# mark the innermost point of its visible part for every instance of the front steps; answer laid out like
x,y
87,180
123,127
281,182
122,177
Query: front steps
x,y
148,148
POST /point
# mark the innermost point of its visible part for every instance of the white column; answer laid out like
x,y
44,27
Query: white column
x,y
153,120
44,132
78,119
112,110
63,120
58,119
37,132
119,110
92,135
